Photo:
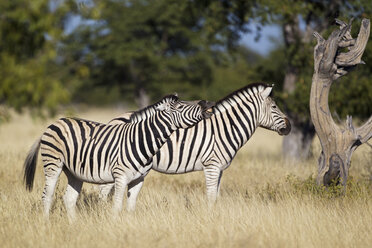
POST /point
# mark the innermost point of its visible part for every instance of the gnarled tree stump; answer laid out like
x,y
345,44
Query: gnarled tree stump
x,y
338,142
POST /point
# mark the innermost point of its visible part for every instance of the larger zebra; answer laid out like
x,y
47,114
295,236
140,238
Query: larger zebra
x,y
88,151
212,144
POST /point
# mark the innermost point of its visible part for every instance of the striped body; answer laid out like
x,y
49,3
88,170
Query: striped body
x,y
212,144
93,151
118,152
187,150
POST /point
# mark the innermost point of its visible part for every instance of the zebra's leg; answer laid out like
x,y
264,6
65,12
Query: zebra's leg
x,y
72,192
51,172
134,188
212,175
219,183
121,182
104,191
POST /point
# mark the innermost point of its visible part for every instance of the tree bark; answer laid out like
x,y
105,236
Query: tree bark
x,y
337,142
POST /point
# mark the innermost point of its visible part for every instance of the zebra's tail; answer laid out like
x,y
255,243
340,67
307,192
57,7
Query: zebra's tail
x,y
30,165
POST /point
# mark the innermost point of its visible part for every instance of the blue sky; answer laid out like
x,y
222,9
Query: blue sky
x,y
270,36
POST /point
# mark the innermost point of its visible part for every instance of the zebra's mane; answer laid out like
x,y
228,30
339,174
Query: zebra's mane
x,y
124,118
254,87
151,109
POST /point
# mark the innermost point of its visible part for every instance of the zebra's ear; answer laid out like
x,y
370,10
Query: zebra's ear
x,y
163,106
266,92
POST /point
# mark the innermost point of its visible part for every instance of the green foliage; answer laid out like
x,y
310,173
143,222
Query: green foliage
x,y
309,187
161,46
29,32
233,73
297,188
164,46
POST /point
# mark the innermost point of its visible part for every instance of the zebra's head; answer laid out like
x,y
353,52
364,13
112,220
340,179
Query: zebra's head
x,y
271,116
183,114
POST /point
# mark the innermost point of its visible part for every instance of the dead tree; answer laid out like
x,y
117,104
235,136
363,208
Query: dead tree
x,y
330,62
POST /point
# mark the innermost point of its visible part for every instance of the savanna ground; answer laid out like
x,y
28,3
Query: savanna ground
x,y
264,202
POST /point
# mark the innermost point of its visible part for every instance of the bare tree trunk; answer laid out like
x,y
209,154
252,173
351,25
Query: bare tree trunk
x,y
292,34
297,147
142,99
338,142
290,79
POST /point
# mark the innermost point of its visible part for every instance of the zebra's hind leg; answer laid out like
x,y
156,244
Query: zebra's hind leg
x,y
134,188
51,172
212,181
72,193
121,182
104,191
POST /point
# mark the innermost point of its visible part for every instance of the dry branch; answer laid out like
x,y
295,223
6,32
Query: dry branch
x,y
338,142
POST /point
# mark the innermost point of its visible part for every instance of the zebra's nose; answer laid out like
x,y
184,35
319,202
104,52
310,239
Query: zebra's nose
x,y
285,130
207,108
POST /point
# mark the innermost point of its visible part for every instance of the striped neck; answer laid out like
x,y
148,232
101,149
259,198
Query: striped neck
x,y
151,110
147,136
161,128
247,97
238,113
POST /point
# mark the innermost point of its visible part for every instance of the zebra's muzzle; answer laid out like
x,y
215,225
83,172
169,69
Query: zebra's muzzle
x,y
207,108
285,130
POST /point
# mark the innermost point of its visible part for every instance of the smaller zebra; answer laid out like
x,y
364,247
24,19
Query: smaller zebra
x,y
119,152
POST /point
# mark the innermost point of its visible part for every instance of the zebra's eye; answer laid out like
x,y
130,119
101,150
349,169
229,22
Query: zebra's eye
x,y
274,106
180,107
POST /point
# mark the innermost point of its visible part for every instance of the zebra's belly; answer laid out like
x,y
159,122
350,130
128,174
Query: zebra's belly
x,y
175,168
94,176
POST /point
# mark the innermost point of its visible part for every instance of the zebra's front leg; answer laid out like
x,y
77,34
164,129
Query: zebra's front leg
x,y
104,191
72,193
121,182
212,182
219,184
134,188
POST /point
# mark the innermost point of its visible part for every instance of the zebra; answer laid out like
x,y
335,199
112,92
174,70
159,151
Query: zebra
x,y
119,153
212,144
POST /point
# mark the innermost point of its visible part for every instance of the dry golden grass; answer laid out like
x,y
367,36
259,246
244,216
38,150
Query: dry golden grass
x,y
264,202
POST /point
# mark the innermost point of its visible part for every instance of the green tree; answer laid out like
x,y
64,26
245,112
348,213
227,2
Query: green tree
x,y
234,72
151,48
29,32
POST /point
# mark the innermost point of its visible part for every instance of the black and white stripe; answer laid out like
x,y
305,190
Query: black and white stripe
x,y
212,144
117,152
